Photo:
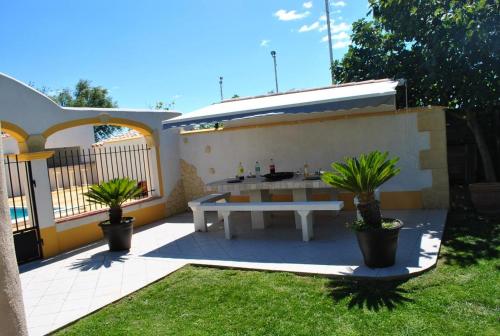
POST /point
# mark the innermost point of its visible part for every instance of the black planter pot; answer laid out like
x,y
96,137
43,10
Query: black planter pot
x,y
379,246
119,236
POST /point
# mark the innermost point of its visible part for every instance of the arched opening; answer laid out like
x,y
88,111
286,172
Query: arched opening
x,y
13,137
79,162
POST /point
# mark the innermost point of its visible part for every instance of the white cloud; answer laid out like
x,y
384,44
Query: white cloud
x,y
284,15
264,43
308,4
340,27
338,4
341,44
340,36
322,17
306,28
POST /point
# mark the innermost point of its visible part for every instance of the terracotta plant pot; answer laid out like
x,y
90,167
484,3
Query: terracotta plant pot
x,y
119,236
485,197
379,246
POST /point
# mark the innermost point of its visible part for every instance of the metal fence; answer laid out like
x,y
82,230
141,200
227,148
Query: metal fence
x,y
18,178
23,213
72,171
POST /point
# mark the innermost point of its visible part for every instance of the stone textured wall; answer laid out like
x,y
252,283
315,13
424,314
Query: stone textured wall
x,y
433,120
194,187
176,201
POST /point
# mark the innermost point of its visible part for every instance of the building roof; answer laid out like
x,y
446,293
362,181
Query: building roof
x,y
129,135
326,99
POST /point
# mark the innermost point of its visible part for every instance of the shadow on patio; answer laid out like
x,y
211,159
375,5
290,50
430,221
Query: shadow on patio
x,y
334,250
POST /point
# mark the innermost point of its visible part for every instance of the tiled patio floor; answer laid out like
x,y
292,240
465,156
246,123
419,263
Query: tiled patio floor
x,y
70,286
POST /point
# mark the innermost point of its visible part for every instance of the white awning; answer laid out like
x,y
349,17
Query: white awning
x,y
341,97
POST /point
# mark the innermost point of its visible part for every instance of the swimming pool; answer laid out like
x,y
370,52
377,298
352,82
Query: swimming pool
x,y
18,213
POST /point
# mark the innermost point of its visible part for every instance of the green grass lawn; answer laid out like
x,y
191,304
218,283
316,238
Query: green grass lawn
x,y
459,297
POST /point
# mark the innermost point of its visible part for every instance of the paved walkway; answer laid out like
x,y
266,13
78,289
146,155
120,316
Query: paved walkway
x,y
72,285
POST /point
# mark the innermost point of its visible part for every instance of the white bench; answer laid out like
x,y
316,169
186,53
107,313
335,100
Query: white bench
x,y
200,223
304,209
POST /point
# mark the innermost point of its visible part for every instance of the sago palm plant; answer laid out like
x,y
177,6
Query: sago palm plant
x,y
362,176
113,194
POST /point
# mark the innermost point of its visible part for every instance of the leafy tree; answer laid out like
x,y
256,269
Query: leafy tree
x,y
86,95
160,105
447,50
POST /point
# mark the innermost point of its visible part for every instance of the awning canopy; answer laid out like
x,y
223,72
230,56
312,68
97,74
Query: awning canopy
x,y
341,97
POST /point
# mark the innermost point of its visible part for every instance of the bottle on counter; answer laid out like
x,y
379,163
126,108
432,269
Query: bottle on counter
x,y
241,172
257,169
272,167
306,170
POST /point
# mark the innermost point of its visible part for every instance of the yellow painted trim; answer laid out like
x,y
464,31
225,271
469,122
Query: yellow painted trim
x,y
79,236
140,127
158,169
390,200
205,130
313,120
239,198
50,240
17,133
321,197
31,156
401,200
281,198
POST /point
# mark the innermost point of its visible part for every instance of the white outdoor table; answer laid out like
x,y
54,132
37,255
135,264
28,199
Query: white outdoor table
x,y
259,190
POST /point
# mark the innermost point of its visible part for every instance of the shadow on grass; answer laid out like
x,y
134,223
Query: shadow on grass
x,y
99,260
468,237
370,294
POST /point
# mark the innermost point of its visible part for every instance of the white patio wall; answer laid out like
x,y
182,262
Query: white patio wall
x,y
216,154
81,136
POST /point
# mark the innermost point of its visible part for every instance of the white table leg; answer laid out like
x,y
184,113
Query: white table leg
x,y
199,220
300,195
258,220
306,223
227,224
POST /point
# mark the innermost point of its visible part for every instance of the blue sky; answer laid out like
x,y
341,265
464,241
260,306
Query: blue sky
x,y
147,51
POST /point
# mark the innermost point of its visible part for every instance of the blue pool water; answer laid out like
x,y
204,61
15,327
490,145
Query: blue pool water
x,y
19,212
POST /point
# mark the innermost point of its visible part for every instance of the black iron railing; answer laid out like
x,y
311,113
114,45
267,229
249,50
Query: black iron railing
x,y
72,171
21,206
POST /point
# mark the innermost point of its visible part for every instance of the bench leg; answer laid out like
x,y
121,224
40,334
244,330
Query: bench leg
x,y
300,195
306,223
219,215
199,220
227,224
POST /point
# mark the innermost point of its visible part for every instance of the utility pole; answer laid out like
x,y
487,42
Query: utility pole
x,y
273,54
330,49
220,85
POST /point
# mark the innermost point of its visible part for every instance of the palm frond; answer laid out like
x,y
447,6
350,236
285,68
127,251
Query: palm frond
x,y
363,174
113,193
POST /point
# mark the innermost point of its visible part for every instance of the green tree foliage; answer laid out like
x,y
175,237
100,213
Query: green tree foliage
x,y
448,51
86,95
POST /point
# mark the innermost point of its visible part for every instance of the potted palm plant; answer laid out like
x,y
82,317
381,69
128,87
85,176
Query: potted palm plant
x,y
377,236
117,229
